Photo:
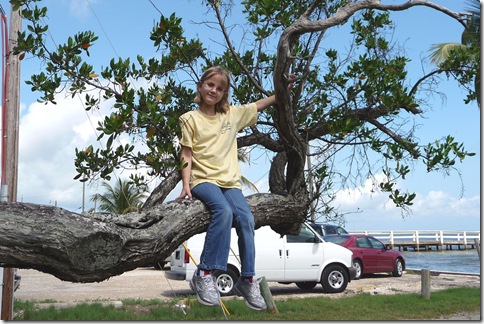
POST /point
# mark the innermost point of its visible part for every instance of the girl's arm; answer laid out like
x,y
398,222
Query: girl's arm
x,y
186,156
265,103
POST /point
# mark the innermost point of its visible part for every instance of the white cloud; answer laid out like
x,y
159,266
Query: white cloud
x,y
48,135
442,203
367,208
434,210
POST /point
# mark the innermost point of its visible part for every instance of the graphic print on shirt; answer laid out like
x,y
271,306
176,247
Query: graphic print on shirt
x,y
226,126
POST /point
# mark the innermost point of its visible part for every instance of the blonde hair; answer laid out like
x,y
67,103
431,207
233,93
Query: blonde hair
x,y
223,105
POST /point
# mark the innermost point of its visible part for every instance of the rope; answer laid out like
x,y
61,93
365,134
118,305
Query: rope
x,y
173,290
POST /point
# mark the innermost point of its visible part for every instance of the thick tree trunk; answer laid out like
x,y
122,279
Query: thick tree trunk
x,y
81,248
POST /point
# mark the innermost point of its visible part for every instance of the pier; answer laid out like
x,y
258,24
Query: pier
x,y
427,240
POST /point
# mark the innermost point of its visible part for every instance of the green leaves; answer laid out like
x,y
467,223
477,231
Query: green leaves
x,y
442,155
399,199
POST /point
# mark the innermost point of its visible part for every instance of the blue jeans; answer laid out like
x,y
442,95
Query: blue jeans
x,y
228,207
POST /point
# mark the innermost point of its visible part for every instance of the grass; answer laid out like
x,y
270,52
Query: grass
x,y
361,307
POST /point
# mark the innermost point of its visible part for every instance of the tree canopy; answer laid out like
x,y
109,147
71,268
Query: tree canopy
x,y
358,103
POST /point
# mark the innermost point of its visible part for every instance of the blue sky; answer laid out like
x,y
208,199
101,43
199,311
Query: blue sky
x,y
49,134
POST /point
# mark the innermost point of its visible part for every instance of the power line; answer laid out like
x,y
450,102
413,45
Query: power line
x,y
100,25
155,7
117,55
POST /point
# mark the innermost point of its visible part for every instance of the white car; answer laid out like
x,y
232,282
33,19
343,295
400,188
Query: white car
x,y
304,259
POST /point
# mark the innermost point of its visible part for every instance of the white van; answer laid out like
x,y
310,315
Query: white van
x,y
304,259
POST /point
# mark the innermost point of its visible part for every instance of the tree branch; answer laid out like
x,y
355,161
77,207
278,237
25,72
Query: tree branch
x,y
78,248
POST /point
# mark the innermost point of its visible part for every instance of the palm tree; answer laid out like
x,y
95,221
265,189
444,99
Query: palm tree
x,y
470,36
243,156
125,197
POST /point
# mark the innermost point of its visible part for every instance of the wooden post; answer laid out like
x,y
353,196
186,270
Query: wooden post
x,y
266,294
9,176
425,280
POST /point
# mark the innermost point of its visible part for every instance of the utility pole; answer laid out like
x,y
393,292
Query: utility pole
x,y
311,189
9,174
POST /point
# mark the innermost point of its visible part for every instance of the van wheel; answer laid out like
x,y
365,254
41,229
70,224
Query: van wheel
x,y
306,285
225,281
334,278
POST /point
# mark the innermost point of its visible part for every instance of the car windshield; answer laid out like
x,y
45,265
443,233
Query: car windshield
x,y
338,239
317,228
330,229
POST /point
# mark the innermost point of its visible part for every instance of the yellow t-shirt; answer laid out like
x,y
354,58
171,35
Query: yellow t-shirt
x,y
214,145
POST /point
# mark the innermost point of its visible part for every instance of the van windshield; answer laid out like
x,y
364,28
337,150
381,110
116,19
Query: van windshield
x,y
335,230
305,236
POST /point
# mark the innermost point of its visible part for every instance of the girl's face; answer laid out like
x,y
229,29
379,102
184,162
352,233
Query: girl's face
x,y
213,89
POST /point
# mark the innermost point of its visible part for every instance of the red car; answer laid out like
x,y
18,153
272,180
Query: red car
x,y
369,254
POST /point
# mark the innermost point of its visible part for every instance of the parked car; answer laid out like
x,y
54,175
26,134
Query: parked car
x,y
304,259
370,255
325,229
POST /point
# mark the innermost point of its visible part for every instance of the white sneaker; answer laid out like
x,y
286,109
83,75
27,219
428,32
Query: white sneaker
x,y
250,291
207,293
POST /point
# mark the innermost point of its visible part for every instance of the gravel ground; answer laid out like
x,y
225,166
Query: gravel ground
x,y
149,283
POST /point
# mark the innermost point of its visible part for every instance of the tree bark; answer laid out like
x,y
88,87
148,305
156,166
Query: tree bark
x,y
159,194
82,248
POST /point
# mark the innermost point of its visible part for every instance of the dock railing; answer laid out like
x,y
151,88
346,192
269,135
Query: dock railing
x,y
425,238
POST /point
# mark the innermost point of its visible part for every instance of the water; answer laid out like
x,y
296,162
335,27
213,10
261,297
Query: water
x,y
446,260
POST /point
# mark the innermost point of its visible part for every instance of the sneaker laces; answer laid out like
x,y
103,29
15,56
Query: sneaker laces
x,y
254,290
209,284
